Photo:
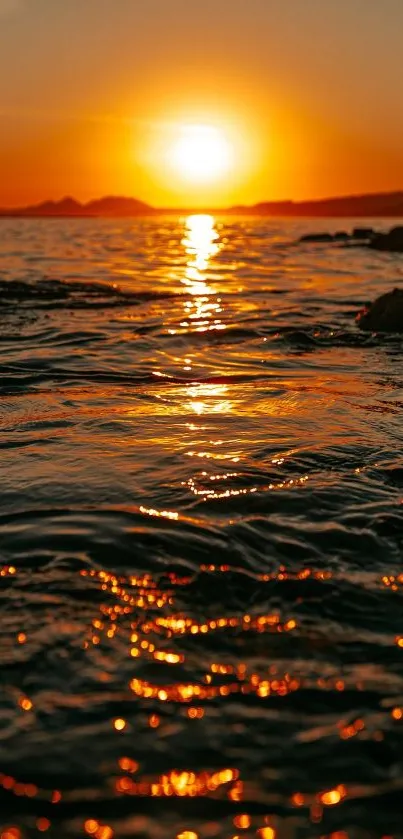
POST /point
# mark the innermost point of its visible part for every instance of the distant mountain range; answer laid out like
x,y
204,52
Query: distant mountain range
x,y
103,207
387,204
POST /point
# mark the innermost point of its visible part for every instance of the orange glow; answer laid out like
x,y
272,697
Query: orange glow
x,y
263,87
8,571
236,792
104,832
243,822
119,724
195,713
180,784
43,825
91,826
124,785
266,833
201,153
128,765
199,160
331,798
26,704
351,730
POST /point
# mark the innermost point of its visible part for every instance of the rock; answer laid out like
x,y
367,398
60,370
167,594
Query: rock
x,y
363,233
317,237
392,241
360,234
385,314
362,237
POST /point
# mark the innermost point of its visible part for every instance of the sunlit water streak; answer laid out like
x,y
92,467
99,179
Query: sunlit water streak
x,y
200,534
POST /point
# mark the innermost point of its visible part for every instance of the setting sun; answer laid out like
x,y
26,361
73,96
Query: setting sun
x,y
202,153
201,316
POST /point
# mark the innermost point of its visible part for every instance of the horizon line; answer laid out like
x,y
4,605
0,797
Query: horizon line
x,y
126,205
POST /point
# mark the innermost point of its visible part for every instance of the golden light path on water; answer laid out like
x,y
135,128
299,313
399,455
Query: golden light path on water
x,y
201,243
144,614
204,307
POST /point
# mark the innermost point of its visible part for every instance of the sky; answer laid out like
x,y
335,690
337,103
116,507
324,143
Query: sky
x,y
95,96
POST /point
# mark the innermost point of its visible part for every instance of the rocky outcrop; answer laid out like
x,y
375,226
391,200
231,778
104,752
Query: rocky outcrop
x,y
363,233
392,241
360,235
317,237
385,314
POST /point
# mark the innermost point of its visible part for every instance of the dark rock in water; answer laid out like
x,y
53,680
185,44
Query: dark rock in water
x,y
317,237
392,241
362,237
363,233
385,314
359,234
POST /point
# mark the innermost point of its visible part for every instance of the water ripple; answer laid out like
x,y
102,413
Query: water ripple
x,y
200,534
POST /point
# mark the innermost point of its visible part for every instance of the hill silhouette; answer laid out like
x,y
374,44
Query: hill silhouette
x,y
69,207
386,204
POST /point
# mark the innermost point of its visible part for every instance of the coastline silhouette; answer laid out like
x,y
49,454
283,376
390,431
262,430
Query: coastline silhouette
x,y
380,205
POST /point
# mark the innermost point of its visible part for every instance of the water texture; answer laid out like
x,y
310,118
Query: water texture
x,y
201,533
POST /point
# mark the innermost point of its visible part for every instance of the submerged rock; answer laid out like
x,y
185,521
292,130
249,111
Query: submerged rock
x,y
363,233
360,234
317,237
392,241
385,314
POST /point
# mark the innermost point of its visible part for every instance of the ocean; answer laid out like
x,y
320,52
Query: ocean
x,y
201,532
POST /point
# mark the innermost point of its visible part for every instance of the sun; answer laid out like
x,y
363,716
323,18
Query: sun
x,y
201,154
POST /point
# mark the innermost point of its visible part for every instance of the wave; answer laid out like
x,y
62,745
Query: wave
x,y
54,294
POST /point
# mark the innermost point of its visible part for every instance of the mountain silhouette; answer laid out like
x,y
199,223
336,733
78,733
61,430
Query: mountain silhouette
x,y
117,206
68,206
386,204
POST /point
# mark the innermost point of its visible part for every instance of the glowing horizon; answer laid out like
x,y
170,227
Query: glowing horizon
x,y
102,99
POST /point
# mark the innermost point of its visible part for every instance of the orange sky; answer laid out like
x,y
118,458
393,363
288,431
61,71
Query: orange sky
x,y
93,93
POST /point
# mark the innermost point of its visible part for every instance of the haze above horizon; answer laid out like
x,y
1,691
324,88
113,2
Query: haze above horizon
x,y
200,104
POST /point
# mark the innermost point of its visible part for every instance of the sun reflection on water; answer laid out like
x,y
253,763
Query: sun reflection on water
x,y
145,614
205,399
201,243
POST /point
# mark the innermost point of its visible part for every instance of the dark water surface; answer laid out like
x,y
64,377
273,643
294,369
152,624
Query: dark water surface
x,y
200,534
